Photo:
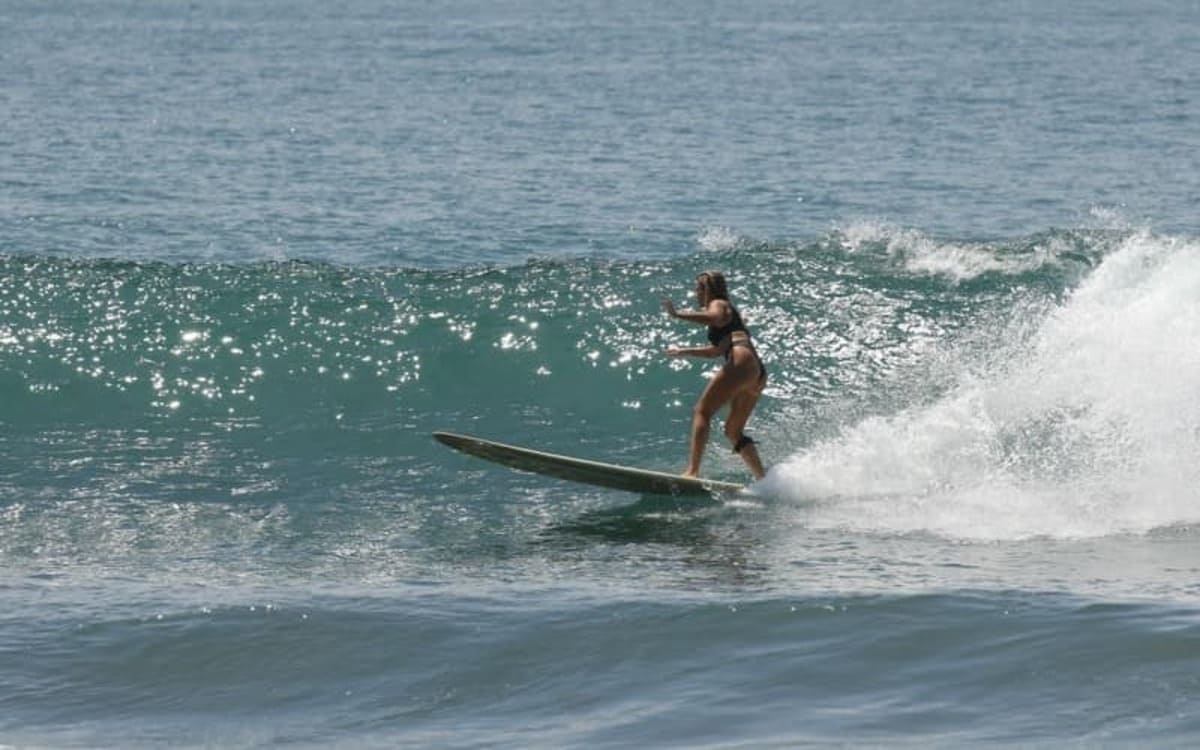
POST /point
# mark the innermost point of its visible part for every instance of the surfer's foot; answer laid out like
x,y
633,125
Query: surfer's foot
x,y
690,474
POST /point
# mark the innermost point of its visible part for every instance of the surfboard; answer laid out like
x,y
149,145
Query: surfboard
x,y
582,470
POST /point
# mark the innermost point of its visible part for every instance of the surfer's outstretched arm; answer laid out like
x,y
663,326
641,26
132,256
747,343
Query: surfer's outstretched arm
x,y
693,351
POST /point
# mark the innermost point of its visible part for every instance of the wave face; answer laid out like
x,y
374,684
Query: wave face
x,y
83,339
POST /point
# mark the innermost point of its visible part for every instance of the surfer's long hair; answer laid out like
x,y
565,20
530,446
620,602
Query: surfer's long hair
x,y
714,284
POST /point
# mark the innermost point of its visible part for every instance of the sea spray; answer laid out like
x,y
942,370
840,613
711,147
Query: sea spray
x,y
1089,426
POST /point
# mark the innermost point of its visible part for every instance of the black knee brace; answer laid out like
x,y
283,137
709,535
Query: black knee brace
x,y
742,442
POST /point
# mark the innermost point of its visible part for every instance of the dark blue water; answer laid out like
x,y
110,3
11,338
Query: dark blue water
x,y
252,255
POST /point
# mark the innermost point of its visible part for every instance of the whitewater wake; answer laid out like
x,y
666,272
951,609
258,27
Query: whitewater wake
x,y
1085,423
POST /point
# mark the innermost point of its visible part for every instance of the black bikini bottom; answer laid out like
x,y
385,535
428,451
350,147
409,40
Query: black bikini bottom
x,y
762,369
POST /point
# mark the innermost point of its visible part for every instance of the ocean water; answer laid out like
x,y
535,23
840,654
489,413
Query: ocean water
x,y
253,254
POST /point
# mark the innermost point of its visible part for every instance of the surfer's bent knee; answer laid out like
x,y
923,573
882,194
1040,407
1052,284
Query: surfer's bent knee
x,y
742,442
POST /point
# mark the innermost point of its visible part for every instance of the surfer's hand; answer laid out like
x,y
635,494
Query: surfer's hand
x,y
674,351
669,306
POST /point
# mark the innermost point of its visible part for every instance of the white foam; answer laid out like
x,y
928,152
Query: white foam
x,y
1089,427
920,254
717,239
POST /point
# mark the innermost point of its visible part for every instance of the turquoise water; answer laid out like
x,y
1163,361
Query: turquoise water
x,y
251,256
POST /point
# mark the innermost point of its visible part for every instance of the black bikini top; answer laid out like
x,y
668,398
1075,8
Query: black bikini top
x,y
717,335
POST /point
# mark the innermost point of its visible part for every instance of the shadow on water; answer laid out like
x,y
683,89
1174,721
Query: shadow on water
x,y
704,541
652,519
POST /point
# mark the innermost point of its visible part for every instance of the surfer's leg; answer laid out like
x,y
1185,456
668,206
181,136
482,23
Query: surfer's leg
x,y
716,394
740,410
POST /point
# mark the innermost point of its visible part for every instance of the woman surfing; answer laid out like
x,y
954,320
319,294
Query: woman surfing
x,y
739,382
